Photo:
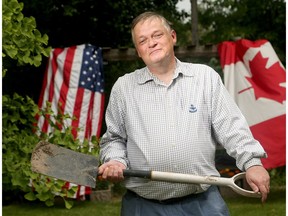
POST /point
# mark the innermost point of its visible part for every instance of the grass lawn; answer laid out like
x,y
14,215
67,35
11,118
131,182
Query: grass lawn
x,y
80,208
275,206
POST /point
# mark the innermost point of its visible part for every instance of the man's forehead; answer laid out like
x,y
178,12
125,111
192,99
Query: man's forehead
x,y
149,20
149,25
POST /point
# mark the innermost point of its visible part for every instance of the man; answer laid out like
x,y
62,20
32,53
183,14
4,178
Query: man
x,y
169,116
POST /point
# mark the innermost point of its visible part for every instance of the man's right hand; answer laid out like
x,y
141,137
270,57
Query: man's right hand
x,y
112,171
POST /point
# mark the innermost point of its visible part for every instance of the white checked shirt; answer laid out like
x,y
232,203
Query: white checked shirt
x,y
175,128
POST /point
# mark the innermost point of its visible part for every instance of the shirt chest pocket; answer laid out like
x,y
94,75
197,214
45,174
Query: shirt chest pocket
x,y
147,106
195,116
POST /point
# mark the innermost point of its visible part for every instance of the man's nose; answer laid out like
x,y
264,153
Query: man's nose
x,y
152,42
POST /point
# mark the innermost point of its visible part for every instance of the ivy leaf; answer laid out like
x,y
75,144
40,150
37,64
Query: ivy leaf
x,y
10,50
43,196
49,203
19,180
68,204
72,191
21,40
30,196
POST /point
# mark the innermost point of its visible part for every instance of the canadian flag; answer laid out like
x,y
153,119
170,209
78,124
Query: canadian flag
x,y
256,79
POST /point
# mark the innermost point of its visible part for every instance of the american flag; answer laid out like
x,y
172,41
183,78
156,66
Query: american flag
x,y
74,85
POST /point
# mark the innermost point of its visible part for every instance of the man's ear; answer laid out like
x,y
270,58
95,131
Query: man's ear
x,y
174,36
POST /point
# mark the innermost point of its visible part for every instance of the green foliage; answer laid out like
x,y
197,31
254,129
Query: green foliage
x,y
17,141
278,177
19,138
24,44
108,21
62,135
230,19
21,40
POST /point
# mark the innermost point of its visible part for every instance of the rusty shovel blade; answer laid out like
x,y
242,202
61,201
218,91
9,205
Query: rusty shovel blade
x,y
65,164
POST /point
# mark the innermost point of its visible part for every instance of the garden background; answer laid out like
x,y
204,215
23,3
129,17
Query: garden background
x,y
31,28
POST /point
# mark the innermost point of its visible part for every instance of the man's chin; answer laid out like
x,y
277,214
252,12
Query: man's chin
x,y
156,58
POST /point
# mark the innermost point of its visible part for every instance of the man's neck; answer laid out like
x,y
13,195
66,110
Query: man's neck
x,y
164,71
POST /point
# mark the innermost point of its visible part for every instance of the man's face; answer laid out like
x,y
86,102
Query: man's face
x,y
154,42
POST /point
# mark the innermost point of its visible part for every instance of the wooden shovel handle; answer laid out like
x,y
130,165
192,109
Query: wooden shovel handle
x,y
193,179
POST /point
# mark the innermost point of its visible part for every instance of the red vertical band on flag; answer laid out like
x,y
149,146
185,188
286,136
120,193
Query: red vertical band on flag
x,y
77,111
227,56
275,147
88,132
52,73
66,77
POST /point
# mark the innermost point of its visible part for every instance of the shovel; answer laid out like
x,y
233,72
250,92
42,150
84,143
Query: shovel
x,y
65,164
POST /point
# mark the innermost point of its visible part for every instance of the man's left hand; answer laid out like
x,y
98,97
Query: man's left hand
x,y
259,180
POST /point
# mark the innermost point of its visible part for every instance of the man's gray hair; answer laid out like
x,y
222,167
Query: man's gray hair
x,y
149,15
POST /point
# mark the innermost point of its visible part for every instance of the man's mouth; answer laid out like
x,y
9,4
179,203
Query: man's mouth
x,y
154,51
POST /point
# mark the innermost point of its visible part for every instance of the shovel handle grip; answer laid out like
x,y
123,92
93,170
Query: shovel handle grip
x,y
137,173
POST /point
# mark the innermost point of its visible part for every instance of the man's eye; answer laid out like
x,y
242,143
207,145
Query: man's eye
x,y
143,41
157,36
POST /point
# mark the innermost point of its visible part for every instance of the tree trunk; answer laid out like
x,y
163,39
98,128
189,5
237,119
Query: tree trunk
x,y
194,23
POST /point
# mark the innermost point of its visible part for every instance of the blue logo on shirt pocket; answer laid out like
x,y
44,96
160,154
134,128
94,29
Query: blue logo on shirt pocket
x,y
192,109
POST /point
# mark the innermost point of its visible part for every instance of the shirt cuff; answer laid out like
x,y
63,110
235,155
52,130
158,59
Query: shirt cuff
x,y
252,162
123,161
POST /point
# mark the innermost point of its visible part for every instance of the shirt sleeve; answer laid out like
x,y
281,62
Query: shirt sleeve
x,y
231,129
113,142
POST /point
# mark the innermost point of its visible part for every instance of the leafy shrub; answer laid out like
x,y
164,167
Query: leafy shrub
x,y
21,40
278,177
19,136
18,141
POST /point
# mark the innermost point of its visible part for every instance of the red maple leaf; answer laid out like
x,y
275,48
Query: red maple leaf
x,y
265,81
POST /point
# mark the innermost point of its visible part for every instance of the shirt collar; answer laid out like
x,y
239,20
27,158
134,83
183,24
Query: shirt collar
x,y
144,75
181,68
